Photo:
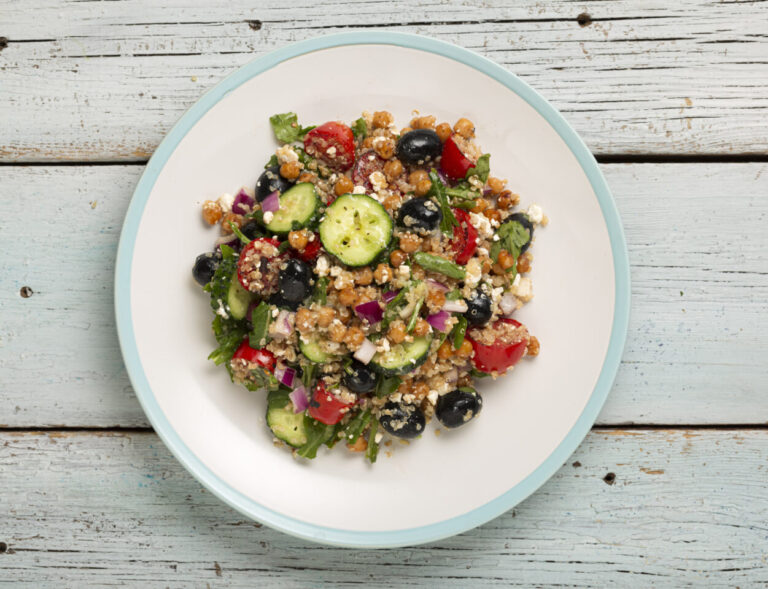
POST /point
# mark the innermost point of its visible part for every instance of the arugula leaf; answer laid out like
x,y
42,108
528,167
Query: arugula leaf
x,y
463,195
482,168
228,334
272,162
263,380
391,311
261,317
512,237
287,128
359,128
239,234
317,434
373,447
414,316
307,376
387,386
320,293
448,222
333,440
356,426
459,331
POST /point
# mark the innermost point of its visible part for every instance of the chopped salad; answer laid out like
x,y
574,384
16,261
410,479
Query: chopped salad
x,y
369,279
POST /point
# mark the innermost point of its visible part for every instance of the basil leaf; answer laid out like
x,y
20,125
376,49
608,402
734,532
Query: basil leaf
x,y
287,128
359,128
317,434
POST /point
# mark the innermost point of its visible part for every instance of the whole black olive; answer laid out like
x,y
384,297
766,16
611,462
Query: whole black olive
x,y
523,219
478,308
205,266
458,407
418,147
295,281
420,213
402,420
271,181
359,378
252,230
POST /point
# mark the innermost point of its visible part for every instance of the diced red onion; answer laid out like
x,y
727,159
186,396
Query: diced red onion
x,y
508,304
487,192
366,352
243,204
287,377
251,306
389,295
438,285
438,321
451,376
370,311
279,372
271,204
443,178
459,306
283,326
299,399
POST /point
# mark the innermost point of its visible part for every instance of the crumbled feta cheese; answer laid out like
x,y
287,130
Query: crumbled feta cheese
x,y
404,270
226,201
516,281
221,311
286,154
378,180
476,183
268,216
335,271
432,397
397,397
322,266
482,251
408,398
524,290
482,224
378,437
474,272
331,151
383,345
535,214
358,190
275,312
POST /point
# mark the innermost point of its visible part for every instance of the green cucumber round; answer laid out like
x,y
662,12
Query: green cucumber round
x,y
298,205
313,352
238,298
402,358
284,423
356,229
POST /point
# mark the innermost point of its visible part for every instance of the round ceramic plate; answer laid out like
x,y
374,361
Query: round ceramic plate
x,y
437,486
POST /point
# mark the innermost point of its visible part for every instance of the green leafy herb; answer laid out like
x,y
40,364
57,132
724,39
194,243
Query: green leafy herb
x,y
383,257
459,331
440,265
317,434
512,237
463,195
308,376
356,426
415,315
387,386
283,247
478,373
448,222
287,128
263,380
373,447
320,293
359,128
335,437
482,168
391,311
272,162
453,295
229,334
239,234
467,390
261,317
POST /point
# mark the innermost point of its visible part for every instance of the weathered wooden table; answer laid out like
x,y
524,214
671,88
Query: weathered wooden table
x,y
670,488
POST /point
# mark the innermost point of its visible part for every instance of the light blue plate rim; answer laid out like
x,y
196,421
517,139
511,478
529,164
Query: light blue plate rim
x,y
340,537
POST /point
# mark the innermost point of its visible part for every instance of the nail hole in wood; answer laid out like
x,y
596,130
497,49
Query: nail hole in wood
x,y
576,464
610,478
254,24
3,547
26,292
3,43
584,19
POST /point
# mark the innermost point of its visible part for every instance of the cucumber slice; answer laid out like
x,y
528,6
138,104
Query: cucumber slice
x,y
238,298
356,228
284,423
402,358
313,352
297,206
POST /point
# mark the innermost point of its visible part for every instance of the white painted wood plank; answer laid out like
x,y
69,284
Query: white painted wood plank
x,y
106,80
686,508
695,357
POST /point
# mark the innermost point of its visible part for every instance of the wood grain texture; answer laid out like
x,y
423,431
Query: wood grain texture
x,y
695,354
686,508
106,80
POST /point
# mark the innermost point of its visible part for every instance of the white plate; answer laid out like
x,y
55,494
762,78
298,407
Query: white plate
x,y
437,486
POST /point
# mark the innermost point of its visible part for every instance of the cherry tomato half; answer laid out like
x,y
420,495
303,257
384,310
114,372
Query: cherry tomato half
x,y
252,257
326,407
310,253
502,353
454,163
464,237
261,357
332,142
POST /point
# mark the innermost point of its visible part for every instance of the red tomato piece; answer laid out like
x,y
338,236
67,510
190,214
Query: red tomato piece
x,y
263,256
312,250
453,163
464,237
503,353
326,407
332,142
368,163
261,357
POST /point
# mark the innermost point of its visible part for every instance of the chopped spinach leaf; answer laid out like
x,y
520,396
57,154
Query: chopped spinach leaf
x,y
317,434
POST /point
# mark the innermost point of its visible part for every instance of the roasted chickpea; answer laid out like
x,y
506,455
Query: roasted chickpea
x,y
360,445
409,242
348,297
363,276
445,351
493,215
397,331
391,202
524,263
420,390
383,274
421,328
507,199
417,176
305,320
212,212
325,316
397,257
368,142
533,346
465,128
480,205
496,185
465,351
298,239
384,147
290,170
423,187
337,331
307,177
498,270
486,265
435,299
443,131
425,122
506,260
405,130
354,338
382,118
343,186
236,220
393,169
